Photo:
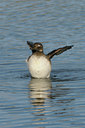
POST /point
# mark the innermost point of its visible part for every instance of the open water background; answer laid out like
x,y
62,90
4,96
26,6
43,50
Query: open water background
x,y
58,102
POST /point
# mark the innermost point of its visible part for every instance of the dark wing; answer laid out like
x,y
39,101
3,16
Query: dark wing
x,y
30,44
58,51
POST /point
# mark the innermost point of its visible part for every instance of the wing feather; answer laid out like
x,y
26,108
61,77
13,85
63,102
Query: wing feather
x,y
58,51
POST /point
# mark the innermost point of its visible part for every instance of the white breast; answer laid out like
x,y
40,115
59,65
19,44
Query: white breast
x,y
39,66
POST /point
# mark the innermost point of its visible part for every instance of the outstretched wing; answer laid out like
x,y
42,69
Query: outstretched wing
x,y
58,51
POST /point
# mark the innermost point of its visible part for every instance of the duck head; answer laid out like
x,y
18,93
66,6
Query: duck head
x,y
35,47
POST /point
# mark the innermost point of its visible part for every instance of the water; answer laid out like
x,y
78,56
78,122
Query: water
x,y
58,102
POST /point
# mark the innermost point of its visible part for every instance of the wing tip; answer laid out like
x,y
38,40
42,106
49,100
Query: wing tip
x,y
72,46
69,47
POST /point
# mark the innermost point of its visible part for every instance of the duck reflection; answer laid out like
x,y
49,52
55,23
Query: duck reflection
x,y
47,97
42,89
39,90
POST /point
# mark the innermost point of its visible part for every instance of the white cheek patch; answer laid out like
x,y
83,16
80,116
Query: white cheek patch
x,y
39,45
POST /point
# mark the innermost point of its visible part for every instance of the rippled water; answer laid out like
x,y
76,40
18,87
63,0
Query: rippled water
x,y
58,102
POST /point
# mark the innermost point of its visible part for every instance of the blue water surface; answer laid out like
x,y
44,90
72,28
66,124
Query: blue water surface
x,y
58,102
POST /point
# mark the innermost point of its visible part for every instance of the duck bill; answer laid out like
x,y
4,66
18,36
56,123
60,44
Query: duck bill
x,y
31,45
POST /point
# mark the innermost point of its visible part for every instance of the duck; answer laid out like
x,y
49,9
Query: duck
x,y
39,63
